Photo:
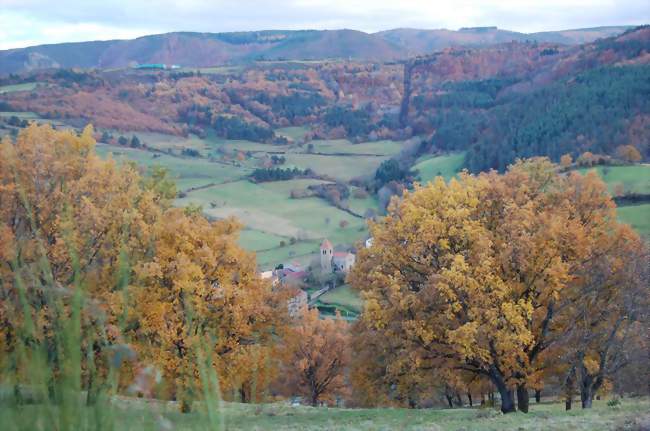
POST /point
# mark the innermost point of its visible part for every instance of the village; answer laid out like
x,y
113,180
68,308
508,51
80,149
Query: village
x,y
307,284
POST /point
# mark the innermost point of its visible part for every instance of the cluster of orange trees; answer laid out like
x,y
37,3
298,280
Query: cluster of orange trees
x,y
518,280
515,281
157,285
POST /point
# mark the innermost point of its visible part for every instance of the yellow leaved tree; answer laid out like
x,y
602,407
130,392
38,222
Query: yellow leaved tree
x,y
317,354
201,292
473,275
91,249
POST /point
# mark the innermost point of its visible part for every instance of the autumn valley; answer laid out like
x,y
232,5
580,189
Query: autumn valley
x,y
417,229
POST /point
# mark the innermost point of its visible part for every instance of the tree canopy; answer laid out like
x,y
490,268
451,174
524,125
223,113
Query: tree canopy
x,y
475,276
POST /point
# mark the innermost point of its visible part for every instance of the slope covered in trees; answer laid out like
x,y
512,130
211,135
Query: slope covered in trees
x,y
597,111
485,98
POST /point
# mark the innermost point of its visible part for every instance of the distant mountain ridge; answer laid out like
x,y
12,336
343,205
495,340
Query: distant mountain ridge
x,y
193,49
419,41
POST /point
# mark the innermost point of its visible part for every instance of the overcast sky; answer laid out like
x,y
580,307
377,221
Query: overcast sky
x,y
32,22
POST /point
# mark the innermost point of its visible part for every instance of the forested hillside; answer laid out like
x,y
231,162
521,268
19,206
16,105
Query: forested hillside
x,y
596,111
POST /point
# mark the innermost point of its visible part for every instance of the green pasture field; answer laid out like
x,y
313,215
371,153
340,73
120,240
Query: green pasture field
x,y
342,168
303,252
295,133
634,178
263,208
285,187
335,146
193,171
446,166
183,184
254,147
345,296
360,206
637,216
176,144
23,115
27,86
268,208
256,240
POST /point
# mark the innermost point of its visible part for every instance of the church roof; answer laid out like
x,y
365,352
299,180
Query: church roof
x,y
326,244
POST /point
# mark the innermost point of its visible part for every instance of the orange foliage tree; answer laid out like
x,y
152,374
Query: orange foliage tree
x,y
317,355
67,220
474,275
201,290
609,316
628,153
174,286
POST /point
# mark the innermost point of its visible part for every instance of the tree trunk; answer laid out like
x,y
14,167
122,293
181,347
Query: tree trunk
x,y
586,396
567,402
243,394
507,398
412,402
522,398
450,401
314,399
459,400
586,388
469,397
569,387
538,396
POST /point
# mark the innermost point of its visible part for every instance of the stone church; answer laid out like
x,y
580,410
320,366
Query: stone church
x,y
331,260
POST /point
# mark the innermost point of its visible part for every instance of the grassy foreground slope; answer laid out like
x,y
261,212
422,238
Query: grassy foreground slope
x,y
632,414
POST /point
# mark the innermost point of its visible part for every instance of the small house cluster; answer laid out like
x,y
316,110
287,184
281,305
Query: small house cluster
x,y
294,275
